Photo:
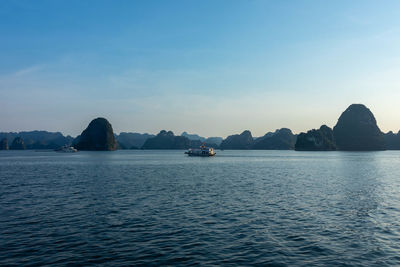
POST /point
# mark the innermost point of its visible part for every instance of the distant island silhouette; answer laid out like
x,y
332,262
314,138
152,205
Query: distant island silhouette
x,y
356,130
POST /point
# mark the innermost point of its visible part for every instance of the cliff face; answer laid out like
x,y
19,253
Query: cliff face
x,y
238,141
98,136
357,130
18,144
4,144
282,139
167,140
316,140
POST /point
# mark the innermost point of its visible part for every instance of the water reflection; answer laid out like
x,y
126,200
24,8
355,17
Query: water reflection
x,y
160,207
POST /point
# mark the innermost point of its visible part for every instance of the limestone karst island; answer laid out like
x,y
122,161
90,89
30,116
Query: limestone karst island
x,y
199,133
355,130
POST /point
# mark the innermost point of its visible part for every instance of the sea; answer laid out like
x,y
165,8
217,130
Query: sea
x,y
161,207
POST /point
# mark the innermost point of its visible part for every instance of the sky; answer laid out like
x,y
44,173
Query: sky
x,y
214,68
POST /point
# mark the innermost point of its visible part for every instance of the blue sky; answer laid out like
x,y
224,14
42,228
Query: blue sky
x,y
209,67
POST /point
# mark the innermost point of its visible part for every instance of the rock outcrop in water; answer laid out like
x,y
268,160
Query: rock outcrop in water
x,y
4,144
167,140
316,140
132,140
39,139
18,144
97,136
214,140
357,130
238,141
392,141
210,141
193,137
282,139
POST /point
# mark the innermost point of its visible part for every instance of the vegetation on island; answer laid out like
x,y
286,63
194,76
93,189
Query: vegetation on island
x,y
316,140
4,144
98,136
18,144
281,139
357,130
238,141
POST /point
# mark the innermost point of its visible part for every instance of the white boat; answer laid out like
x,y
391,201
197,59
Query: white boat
x,y
67,149
203,151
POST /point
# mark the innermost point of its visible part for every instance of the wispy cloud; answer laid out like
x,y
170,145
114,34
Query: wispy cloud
x,y
28,70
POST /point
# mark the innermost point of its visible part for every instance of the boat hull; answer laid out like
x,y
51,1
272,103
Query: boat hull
x,y
200,155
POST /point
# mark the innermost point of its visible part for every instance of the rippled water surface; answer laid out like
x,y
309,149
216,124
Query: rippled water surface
x,y
238,208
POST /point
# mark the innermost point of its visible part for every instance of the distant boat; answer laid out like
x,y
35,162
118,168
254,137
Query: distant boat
x,y
67,149
203,151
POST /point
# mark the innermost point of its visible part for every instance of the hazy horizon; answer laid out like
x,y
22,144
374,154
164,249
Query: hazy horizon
x,y
214,68
116,131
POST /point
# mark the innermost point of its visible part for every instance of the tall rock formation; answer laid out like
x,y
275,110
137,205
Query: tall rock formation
x,y
316,140
167,140
357,130
18,144
97,136
282,139
4,144
238,141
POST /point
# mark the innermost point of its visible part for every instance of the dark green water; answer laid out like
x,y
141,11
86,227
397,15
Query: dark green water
x,y
238,208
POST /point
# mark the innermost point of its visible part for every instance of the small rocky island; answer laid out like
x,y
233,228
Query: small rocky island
x,y
238,141
18,144
281,139
392,141
316,140
98,136
167,140
357,130
4,144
